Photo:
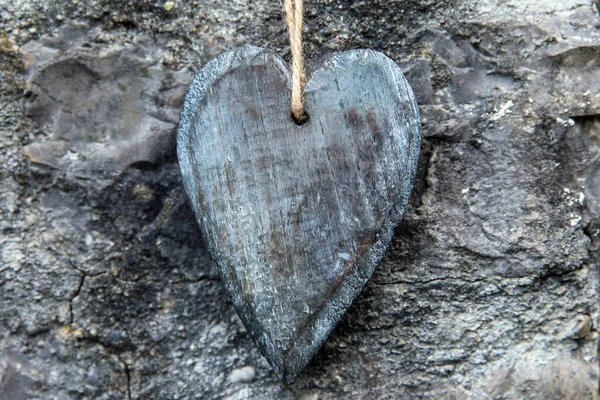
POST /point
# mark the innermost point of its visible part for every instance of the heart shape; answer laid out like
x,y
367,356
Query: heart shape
x,y
297,217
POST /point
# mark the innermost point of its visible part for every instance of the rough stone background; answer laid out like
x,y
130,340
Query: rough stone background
x,y
489,289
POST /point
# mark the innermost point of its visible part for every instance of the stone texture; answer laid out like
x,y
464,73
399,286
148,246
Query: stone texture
x,y
104,108
107,292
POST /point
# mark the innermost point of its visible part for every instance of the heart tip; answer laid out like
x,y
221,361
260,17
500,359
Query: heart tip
x,y
288,378
287,370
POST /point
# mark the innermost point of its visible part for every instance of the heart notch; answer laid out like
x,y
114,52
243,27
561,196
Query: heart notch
x,y
297,216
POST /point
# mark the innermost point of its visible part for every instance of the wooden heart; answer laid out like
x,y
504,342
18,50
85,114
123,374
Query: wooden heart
x,y
297,217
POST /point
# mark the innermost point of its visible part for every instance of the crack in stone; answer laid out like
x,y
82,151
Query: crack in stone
x,y
145,278
87,274
127,376
77,292
109,351
439,279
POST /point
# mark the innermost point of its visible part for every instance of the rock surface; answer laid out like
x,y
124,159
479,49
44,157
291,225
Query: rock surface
x,y
489,288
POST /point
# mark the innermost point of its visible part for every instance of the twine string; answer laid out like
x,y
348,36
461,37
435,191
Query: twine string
x,y
293,17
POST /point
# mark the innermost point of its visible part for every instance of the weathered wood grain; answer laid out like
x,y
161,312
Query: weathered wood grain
x,y
297,217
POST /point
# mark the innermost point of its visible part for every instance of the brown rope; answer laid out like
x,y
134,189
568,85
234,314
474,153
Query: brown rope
x,y
293,17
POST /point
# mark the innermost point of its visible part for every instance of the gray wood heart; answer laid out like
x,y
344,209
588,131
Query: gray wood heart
x,y
297,217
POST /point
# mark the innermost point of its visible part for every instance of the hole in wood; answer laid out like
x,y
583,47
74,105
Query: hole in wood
x,y
302,120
